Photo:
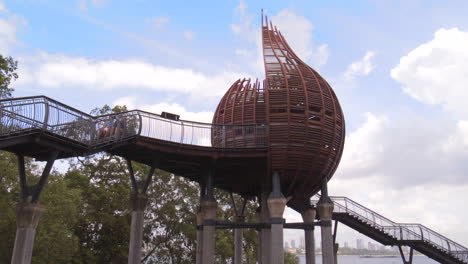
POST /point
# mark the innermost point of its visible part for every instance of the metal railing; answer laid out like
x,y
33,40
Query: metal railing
x,y
402,232
19,116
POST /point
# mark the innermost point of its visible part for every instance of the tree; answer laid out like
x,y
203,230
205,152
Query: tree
x,y
290,258
54,242
87,217
8,68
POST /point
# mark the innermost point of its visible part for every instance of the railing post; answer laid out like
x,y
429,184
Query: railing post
x,y
46,115
191,140
182,132
448,244
170,133
141,123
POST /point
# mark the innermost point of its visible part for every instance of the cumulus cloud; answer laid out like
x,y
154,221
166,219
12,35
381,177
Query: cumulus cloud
x,y
9,27
436,72
158,22
56,71
82,6
404,152
99,3
188,34
132,102
297,30
408,169
364,66
3,9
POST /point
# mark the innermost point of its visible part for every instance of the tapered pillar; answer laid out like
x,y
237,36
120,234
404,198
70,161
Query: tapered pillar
x,y
138,204
209,207
308,216
276,205
238,238
325,211
27,218
28,212
199,237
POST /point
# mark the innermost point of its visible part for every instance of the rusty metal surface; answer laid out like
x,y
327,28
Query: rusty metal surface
x,y
306,129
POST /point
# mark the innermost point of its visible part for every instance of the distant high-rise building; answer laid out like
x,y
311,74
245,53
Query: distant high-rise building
x,y
371,246
293,243
346,244
359,244
286,245
302,243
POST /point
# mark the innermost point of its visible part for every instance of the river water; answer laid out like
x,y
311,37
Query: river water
x,y
357,260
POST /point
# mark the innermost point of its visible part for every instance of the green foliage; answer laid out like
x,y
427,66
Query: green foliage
x,y
102,225
9,195
55,242
290,258
8,68
87,217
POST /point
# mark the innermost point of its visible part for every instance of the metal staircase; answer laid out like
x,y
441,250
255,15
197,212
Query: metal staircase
x,y
387,232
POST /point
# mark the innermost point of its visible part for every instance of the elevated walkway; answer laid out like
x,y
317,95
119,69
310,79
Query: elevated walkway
x,y
37,126
387,232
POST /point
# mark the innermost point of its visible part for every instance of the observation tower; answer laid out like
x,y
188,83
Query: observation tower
x,y
302,115
276,141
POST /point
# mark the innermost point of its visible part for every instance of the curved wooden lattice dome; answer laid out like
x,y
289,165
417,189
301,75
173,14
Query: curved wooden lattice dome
x,y
306,128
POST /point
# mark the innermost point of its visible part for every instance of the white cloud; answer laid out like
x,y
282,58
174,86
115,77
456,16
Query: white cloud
x,y
298,33
55,71
9,27
82,5
296,29
99,3
241,7
188,35
363,146
363,66
407,152
3,9
158,22
436,72
132,103
7,35
409,169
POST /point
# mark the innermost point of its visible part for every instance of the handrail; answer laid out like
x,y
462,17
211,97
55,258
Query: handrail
x,y
400,231
62,120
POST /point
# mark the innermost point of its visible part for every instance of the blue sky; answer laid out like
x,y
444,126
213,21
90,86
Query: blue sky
x,y
399,68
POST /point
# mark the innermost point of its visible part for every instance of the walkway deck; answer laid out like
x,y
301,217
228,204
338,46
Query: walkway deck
x,y
37,126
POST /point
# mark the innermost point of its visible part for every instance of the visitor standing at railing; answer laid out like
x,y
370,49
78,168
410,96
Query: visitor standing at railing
x,y
111,124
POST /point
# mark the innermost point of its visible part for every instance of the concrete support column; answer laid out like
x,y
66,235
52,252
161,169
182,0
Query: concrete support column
x,y
238,238
265,233
209,207
259,234
138,204
276,205
308,216
325,211
27,218
199,237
